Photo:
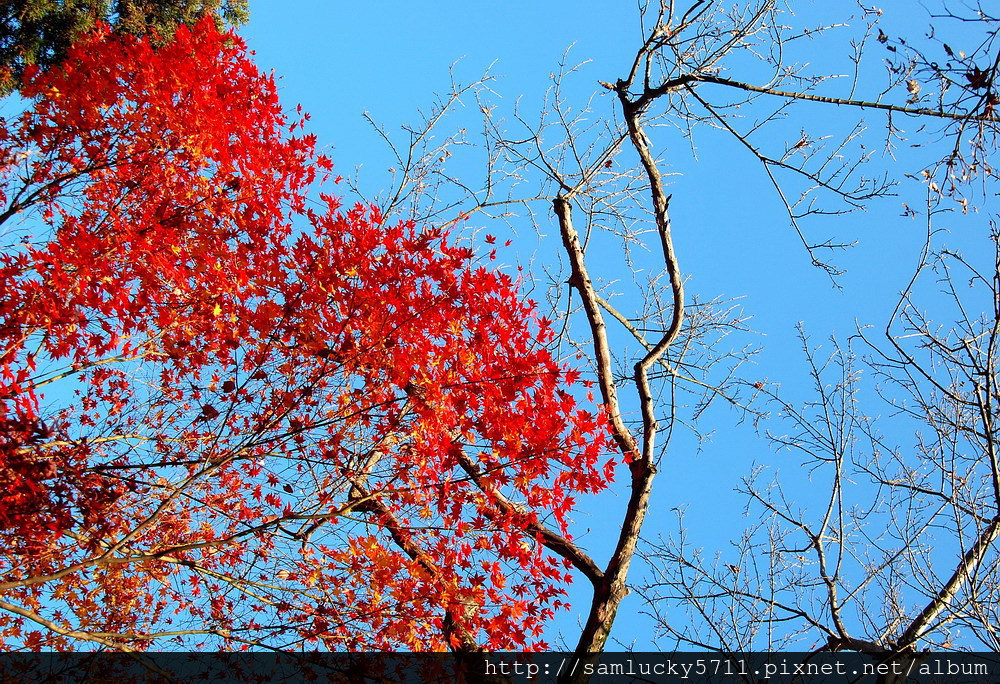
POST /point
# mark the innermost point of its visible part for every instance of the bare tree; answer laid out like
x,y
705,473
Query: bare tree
x,y
886,542
899,552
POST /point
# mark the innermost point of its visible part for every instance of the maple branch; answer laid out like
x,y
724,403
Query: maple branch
x,y
18,205
455,634
62,631
551,539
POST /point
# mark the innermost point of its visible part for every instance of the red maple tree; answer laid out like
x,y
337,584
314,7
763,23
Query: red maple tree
x,y
234,415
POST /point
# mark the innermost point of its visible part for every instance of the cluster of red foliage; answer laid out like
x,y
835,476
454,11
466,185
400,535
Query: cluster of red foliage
x,y
269,420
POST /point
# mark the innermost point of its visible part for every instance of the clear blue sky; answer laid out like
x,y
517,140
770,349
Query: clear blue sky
x,y
341,59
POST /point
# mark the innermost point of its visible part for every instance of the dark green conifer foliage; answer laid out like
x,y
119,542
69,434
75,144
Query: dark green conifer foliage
x,y
39,31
